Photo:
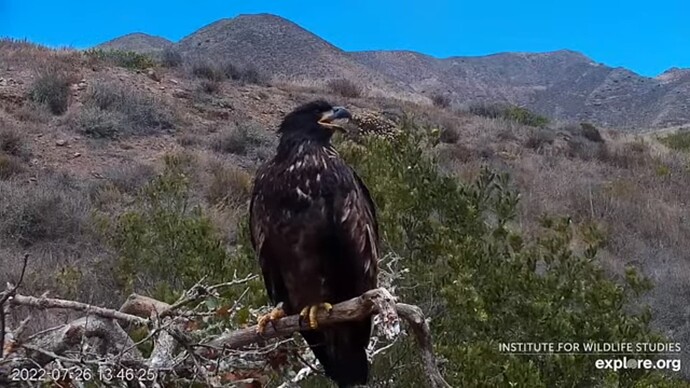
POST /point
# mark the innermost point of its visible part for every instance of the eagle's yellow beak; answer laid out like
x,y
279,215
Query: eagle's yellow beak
x,y
336,113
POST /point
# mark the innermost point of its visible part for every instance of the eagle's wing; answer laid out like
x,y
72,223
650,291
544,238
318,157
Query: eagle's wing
x,y
258,230
358,230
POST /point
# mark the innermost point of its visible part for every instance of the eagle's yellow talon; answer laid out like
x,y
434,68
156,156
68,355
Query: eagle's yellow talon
x,y
271,317
310,313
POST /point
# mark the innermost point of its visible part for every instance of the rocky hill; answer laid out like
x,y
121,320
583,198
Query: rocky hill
x,y
564,85
137,42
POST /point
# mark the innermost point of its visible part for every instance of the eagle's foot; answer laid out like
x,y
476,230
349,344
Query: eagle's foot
x,y
309,313
271,317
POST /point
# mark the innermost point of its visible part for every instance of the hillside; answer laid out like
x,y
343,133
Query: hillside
x,y
279,47
138,43
564,85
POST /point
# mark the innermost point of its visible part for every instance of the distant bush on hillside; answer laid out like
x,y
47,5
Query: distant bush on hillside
x,y
206,69
52,89
513,113
440,100
344,87
170,57
678,141
126,59
48,211
111,110
590,132
238,139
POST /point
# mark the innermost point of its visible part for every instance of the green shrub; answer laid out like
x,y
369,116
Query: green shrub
x,y
482,282
507,112
525,117
678,141
167,244
52,89
121,58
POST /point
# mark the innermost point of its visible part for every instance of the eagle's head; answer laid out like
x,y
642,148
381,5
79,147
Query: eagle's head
x,y
313,121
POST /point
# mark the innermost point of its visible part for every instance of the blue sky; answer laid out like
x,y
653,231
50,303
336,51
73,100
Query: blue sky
x,y
647,37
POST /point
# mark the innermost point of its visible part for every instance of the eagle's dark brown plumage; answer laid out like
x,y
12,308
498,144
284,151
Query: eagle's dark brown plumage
x,y
313,226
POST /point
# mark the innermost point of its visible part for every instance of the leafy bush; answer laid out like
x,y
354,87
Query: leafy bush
x,y
166,244
513,113
121,58
525,117
440,100
52,89
344,87
482,282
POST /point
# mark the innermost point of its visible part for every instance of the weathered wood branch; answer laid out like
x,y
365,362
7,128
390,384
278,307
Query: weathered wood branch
x,y
168,330
52,303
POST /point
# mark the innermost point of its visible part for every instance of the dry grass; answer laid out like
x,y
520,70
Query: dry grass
x,y
113,110
228,186
344,87
52,89
440,100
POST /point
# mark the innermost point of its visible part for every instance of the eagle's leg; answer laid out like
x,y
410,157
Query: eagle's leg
x,y
310,313
271,317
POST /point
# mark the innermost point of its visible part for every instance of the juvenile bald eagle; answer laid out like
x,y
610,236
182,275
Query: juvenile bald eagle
x,y
314,229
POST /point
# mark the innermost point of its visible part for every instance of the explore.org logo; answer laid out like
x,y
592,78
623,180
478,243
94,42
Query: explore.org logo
x,y
625,355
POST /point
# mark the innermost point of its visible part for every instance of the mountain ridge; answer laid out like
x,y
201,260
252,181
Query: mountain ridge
x,y
563,84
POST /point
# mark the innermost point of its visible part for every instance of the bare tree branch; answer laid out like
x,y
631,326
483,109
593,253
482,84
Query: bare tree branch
x,y
170,331
52,303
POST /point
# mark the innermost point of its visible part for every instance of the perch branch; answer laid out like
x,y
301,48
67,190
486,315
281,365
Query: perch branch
x,y
374,301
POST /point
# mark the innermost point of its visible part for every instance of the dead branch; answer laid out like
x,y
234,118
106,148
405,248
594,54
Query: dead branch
x,y
169,333
52,303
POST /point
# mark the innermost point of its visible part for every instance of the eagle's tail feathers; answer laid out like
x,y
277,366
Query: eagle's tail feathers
x,y
341,349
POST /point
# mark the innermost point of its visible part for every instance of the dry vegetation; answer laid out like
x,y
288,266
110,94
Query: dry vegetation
x,y
61,201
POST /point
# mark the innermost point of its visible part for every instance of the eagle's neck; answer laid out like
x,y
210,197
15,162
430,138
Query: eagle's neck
x,y
294,147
